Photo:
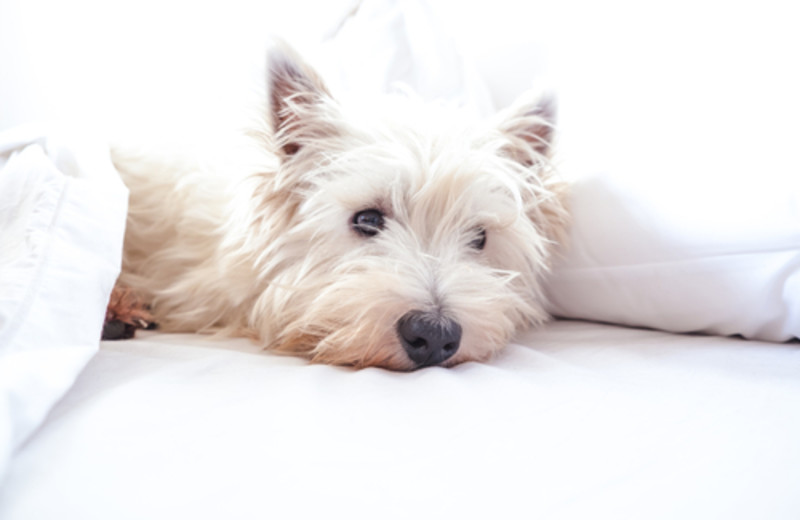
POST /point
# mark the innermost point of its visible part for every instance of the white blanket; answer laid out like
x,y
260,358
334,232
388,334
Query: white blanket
x,y
62,217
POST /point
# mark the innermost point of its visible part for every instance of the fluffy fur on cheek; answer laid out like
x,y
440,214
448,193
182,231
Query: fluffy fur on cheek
x,y
350,321
334,296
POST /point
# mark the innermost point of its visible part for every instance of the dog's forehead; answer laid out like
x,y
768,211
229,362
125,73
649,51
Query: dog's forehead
x,y
419,164
418,161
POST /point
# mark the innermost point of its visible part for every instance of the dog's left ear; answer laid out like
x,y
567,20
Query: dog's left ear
x,y
298,100
529,125
528,128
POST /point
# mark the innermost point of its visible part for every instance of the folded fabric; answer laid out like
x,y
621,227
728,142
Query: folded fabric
x,y
683,149
683,257
62,218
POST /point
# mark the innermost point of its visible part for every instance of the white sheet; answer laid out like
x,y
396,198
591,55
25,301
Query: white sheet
x,y
573,421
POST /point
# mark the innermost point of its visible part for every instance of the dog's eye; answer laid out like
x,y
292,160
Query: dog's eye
x,y
480,239
368,222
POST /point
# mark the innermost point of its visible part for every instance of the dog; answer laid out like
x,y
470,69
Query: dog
x,y
402,235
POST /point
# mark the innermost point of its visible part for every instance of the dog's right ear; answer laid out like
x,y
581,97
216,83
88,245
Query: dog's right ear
x,y
298,100
529,126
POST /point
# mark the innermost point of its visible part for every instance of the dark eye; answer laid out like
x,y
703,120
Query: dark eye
x,y
368,222
479,242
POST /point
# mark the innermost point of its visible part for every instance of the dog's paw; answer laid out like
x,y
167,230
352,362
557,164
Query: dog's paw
x,y
125,313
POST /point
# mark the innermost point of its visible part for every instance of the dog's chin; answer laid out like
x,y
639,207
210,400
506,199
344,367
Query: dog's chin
x,y
387,353
389,358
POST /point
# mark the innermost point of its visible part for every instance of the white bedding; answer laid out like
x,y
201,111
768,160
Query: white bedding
x,y
577,420
677,227
62,218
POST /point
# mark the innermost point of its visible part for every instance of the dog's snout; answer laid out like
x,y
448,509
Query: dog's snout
x,y
428,338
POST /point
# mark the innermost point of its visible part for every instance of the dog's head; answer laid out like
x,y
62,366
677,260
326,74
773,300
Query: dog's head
x,y
400,236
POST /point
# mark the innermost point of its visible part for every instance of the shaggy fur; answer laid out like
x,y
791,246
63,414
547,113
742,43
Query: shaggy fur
x,y
268,249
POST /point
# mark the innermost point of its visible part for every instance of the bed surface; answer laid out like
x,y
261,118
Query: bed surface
x,y
575,420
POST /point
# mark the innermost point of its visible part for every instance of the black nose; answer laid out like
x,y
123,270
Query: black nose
x,y
428,338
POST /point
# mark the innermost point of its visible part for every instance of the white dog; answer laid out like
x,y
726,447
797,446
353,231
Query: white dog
x,y
403,235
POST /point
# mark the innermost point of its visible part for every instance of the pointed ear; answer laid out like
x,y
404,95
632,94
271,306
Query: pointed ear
x,y
529,129
297,97
530,126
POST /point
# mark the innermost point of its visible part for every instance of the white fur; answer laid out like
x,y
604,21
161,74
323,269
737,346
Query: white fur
x,y
262,245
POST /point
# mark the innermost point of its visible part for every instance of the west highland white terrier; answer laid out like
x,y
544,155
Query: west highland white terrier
x,y
402,235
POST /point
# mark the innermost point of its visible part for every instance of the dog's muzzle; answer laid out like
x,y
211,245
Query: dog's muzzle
x,y
428,338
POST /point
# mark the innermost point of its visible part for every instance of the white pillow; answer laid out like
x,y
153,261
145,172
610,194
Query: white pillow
x,y
680,131
62,218
683,256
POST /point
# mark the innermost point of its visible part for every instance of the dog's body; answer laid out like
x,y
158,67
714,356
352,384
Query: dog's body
x,y
402,239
